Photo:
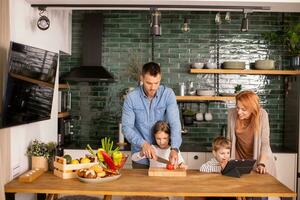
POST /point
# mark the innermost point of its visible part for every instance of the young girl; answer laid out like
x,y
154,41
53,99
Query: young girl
x,y
161,133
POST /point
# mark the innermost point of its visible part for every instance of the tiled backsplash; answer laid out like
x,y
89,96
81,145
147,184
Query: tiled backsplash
x,y
96,107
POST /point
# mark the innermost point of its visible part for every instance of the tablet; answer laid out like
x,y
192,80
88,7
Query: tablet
x,y
236,168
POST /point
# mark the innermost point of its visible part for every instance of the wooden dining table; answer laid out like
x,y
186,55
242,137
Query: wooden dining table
x,y
136,182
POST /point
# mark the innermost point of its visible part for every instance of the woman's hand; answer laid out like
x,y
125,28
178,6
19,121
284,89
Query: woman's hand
x,y
261,168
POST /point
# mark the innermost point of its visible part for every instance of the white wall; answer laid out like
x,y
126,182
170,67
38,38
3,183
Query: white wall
x,y
24,30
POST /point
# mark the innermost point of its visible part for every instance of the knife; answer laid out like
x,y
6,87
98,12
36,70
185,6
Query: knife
x,y
162,160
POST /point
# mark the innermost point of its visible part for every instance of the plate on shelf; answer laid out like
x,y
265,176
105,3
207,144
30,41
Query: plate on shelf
x,y
99,180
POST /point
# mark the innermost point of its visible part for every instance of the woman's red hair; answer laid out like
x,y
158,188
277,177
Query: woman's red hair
x,y
251,102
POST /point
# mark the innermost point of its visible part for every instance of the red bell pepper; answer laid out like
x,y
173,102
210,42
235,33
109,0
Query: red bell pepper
x,y
108,160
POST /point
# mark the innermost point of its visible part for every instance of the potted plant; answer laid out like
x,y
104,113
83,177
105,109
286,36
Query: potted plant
x,y
40,153
188,117
290,37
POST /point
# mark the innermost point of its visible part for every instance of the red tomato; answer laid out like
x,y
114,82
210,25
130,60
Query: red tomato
x,y
170,167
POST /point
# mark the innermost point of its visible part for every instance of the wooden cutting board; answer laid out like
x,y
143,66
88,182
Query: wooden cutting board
x,y
165,172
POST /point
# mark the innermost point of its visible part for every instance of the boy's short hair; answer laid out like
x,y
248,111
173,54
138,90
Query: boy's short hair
x,y
221,142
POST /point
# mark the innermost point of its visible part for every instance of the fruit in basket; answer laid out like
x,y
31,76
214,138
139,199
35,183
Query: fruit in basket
x,y
68,158
85,160
75,161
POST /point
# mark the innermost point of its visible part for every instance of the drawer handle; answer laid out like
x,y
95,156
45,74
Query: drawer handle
x,y
195,157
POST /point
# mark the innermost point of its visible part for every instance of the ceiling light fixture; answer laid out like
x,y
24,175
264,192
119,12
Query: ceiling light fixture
x,y
155,22
43,22
228,17
218,18
186,26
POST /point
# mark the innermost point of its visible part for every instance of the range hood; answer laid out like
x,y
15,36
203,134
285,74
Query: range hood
x,y
90,69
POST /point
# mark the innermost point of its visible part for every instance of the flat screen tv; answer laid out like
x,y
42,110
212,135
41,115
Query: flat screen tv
x,y
29,85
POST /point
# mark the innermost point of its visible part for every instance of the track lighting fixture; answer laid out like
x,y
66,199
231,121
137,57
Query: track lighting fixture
x,y
43,22
228,17
155,22
186,26
244,25
218,20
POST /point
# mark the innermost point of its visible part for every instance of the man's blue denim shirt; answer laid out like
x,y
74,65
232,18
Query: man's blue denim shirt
x,y
140,114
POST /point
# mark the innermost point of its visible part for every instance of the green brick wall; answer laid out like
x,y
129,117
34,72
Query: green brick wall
x,y
96,107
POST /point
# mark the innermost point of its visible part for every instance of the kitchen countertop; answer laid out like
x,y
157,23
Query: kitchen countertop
x,y
137,182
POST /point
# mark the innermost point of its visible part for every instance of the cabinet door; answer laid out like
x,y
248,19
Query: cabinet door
x,y
185,157
195,159
286,165
208,156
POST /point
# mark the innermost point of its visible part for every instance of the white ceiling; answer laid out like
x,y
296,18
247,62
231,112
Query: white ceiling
x,y
273,5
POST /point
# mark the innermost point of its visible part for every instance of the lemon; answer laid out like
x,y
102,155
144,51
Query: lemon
x,y
75,161
85,160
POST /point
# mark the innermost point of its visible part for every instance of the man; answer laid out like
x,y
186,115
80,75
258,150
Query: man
x,y
143,107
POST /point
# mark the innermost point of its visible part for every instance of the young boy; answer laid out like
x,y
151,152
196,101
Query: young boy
x,y
221,151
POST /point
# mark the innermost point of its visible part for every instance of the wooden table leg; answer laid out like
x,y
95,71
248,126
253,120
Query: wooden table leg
x,y
107,197
9,196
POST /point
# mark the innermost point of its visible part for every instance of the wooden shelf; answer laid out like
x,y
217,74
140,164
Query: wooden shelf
x,y
63,114
245,71
63,86
205,98
30,80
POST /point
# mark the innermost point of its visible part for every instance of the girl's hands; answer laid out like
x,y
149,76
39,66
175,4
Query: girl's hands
x,y
182,166
261,168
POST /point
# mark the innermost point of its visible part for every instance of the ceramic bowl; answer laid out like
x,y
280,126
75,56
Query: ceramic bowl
x,y
203,92
197,65
264,64
211,65
234,65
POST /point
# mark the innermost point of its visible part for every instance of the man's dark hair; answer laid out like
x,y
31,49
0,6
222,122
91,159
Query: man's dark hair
x,y
152,68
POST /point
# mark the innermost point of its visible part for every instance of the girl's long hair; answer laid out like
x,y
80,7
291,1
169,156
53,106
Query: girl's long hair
x,y
251,102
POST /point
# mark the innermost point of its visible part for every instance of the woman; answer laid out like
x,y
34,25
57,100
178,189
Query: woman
x,y
249,131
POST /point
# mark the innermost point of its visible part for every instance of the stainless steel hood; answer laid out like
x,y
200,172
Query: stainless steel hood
x,y
90,69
